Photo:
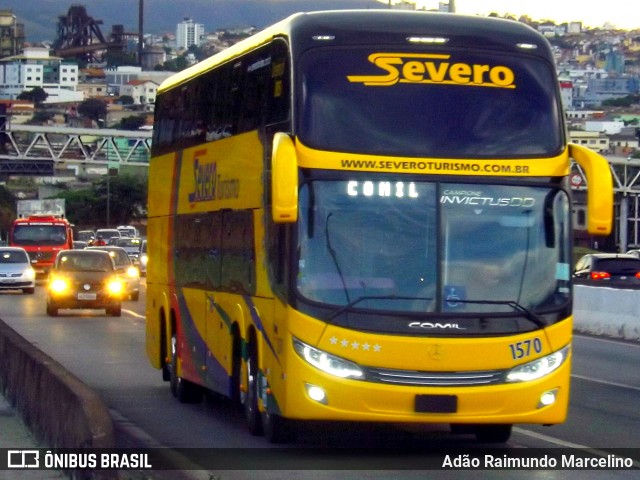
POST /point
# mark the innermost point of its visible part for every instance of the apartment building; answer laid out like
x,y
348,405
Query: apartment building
x,y
188,33
35,67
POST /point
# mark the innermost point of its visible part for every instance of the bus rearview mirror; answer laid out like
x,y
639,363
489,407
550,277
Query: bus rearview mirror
x,y
599,180
284,179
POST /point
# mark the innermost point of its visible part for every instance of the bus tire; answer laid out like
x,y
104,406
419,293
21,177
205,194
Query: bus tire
x,y
236,372
277,429
493,433
250,396
184,390
166,368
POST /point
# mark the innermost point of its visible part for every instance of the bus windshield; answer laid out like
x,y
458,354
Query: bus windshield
x,y
419,247
508,109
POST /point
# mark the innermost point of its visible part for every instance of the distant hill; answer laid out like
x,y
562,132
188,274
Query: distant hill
x,y
40,17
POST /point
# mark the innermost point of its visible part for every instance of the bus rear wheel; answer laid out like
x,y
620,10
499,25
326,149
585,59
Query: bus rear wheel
x,y
249,396
493,433
184,390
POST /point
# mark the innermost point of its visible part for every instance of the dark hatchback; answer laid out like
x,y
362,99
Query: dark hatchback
x,y
84,279
608,269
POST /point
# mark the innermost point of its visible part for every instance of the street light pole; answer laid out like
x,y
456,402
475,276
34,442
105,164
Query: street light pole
x,y
112,171
108,199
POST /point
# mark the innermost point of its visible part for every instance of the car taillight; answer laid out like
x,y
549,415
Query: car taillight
x,y
638,275
600,275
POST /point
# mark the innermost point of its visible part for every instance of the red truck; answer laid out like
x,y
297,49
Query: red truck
x,y
42,236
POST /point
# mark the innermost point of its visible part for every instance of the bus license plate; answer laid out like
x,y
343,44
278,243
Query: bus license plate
x,y
436,403
86,296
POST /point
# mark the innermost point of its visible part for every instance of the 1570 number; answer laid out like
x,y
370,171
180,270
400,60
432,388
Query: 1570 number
x,y
525,348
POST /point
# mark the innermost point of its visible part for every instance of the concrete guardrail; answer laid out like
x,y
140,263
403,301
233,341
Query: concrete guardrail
x,y
607,311
58,408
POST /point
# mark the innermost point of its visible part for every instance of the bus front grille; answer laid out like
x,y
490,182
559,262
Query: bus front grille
x,y
435,379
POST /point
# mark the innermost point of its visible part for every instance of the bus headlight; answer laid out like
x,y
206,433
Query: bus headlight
x,y
538,368
327,362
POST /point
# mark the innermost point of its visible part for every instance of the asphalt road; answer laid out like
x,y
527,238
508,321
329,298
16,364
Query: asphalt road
x,y
107,353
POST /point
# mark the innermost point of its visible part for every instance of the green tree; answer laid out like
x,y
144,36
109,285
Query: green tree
x,y
93,108
125,195
80,206
126,100
36,95
175,65
7,210
41,117
133,122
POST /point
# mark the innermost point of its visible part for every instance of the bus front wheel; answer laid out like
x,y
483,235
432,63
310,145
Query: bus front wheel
x,y
276,428
493,433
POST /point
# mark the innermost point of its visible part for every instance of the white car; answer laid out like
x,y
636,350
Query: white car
x,y
16,272
144,259
131,246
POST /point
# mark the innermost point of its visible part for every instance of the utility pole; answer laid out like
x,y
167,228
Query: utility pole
x,y
140,31
452,6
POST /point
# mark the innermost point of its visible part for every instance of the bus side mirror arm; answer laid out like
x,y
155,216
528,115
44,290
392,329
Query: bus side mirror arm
x,y
599,180
284,179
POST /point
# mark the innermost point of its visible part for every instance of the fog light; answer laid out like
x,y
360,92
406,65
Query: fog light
x,y
317,394
548,398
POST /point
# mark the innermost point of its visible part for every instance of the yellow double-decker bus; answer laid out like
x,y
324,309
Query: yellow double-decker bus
x,y
365,216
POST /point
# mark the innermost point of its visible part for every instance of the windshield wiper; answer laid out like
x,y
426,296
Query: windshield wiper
x,y
334,257
526,313
350,305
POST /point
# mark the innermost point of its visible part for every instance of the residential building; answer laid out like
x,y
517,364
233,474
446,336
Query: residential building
x,y
610,127
188,33
93,83
596,141
626,142
120,76
142,91
36,68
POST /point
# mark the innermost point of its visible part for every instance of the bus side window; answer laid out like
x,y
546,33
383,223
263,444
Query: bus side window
x,y
238,257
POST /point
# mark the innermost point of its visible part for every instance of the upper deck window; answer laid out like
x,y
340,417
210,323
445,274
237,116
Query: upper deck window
x,y
428,102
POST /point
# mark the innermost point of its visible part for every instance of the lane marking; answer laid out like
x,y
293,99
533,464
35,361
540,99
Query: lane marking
x,y
547,438
621,341
133,314
562,443
606,382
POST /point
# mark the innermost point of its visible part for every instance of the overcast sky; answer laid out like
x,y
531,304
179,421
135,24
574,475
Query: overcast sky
x,y
621,13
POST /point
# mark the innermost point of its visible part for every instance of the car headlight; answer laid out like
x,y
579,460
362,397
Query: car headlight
x,y
538,368
29,274
144,259
327,362
132,272
115,287
58,285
